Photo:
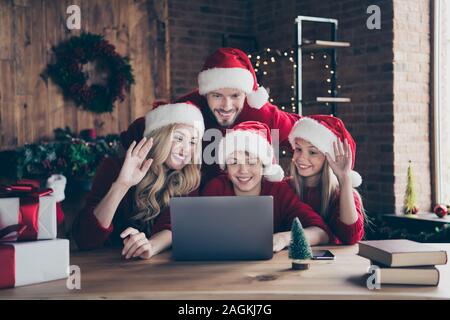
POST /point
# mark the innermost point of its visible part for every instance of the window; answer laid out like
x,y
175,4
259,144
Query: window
x,y
441,100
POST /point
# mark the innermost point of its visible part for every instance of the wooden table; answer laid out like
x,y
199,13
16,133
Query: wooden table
x,y
105,275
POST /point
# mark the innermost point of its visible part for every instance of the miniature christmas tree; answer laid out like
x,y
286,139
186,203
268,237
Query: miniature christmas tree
x,y
299,248
410,197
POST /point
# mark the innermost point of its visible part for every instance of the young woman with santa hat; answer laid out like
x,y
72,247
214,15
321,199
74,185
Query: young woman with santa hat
x,y
323,176
132,192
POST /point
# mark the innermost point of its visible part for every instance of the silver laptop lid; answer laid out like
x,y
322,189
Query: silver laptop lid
x,y
222,228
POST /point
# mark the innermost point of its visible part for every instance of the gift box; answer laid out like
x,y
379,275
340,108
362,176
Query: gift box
x,y
27,213
24,263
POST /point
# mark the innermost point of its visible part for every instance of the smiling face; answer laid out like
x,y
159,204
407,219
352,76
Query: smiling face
x,y
308,160
184,144
226,104
245,172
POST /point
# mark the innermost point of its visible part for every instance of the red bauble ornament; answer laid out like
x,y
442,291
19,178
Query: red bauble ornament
x,y
440,210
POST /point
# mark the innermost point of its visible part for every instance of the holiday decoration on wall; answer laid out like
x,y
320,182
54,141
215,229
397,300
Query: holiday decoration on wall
x,y
67,72
299,248
27,212
31,262
410,206
441,210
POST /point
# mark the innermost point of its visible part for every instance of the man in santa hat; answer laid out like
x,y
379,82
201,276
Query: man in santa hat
x,y
228,94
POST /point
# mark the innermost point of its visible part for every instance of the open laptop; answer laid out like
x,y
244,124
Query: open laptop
x,y
222,228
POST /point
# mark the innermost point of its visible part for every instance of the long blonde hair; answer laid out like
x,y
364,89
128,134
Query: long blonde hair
x,y
153,193
329,186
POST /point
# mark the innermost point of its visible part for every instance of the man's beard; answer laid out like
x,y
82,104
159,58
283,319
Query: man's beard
x,y
227,125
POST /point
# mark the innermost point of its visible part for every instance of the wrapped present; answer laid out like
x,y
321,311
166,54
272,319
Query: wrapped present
x,y
27,213
24,263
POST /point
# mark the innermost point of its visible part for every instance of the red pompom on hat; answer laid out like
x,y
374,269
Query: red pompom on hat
x,y
231,68
321,131
253,137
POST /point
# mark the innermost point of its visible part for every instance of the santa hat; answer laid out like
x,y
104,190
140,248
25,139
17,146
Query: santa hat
x,y
321,131
253,137
176,113
231,68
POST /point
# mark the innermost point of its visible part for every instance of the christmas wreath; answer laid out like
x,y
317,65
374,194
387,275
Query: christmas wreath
x,y
67,72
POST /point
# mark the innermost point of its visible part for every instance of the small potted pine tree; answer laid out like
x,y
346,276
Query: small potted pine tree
x,y
299,249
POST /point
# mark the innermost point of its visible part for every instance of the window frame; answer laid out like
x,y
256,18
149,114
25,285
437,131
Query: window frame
x,y
436,101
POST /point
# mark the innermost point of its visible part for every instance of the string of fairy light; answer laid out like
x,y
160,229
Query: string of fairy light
x,y
263,60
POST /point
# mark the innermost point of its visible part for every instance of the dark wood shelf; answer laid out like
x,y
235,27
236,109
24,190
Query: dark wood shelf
x,y
333,99
421,216
316,45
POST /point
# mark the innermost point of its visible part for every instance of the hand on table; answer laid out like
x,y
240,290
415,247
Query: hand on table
x,y
136,244
280,241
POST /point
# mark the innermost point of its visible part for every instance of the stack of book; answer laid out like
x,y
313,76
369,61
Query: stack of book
x,y
404,261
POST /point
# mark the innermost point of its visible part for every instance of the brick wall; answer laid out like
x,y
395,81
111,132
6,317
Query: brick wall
x,y
411,98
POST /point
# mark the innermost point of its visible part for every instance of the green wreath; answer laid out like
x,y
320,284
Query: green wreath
x,y
67,72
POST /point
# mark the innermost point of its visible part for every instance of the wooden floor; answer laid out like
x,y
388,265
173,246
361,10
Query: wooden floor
x,y
105,275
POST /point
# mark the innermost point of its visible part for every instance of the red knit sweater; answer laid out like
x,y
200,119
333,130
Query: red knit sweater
x,y
286,205
342,233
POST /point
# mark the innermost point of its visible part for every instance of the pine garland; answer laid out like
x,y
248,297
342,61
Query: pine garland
x,y
67,72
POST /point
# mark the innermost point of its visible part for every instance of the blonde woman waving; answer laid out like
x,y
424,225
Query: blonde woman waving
x,y
129,193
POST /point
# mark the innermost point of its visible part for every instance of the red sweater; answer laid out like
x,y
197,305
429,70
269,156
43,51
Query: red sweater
x,y
268,114
286,205
86,230
342,233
